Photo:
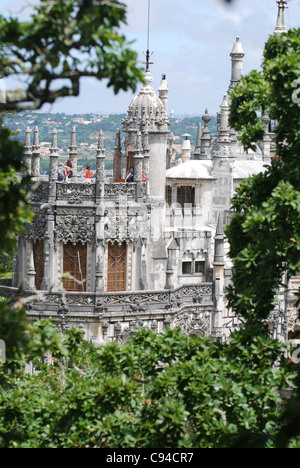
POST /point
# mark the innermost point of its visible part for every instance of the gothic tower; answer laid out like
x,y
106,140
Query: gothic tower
x,y
147,114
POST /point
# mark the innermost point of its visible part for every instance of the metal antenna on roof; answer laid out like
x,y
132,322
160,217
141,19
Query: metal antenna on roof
x,y
282,3
148,55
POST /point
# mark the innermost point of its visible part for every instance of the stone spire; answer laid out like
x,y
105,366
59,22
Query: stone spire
x,y
100,158
54,148
163,93
237,59
73,152
280,24
27,153
205,138
53,156
219,242
118,146
35,172
224,139
197,150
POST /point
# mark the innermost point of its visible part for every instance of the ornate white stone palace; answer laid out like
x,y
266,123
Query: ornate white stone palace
x,y
110,257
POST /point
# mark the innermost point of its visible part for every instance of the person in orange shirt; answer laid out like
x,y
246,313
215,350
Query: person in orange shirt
x,y
88,174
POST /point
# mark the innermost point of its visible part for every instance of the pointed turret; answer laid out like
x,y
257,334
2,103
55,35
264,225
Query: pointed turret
x,y
223,148
237,60
205,138
280,24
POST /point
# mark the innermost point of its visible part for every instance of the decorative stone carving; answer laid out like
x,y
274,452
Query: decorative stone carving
x,y
123,335
75,229
36,231
193,322
39,192
75,193
113,190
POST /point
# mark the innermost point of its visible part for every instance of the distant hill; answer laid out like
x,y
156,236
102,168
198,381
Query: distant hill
x,y
87,130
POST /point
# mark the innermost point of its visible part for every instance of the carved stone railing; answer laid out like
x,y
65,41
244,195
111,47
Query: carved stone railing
x,y
128,303
115,189
189,307
75,192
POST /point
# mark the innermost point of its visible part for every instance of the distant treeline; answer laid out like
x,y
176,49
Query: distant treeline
x,y
87,130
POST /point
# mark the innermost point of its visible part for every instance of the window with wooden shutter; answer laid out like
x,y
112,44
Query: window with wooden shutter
x,y
38,258
186,194
75,263
117,267
122,165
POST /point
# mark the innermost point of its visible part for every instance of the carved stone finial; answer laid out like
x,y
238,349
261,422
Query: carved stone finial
x,y
73,145
100,146
36,144
54,148
27,146
118,146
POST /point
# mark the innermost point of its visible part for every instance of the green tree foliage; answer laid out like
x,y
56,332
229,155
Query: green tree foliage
x,y
14,208
264,235
164,391
265,232
66,40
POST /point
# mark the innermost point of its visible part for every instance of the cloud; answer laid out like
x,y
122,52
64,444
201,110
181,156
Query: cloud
x,y
191,41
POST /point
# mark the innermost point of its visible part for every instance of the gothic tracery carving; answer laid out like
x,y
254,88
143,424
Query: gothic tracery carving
x,y
74,229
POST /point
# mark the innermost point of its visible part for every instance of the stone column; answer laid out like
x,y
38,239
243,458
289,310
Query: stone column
x,y
138,166
100,167
53,166
49,252
218,276
267,140
30,267
146,148
35,172
172,251
186,148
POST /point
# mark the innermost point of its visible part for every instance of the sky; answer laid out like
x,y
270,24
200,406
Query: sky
x,y
190,42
